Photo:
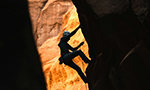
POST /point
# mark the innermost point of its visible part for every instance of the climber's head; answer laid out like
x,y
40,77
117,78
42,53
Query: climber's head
x,y
66,33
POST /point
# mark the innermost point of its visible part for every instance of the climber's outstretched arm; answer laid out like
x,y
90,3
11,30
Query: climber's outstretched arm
x,y
72,33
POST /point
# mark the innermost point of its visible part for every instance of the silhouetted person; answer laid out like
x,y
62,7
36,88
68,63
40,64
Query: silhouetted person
x,y
67,56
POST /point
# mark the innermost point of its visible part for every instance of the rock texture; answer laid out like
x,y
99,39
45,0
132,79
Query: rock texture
x,y
35,7
47,18
62,77
118,43
20,64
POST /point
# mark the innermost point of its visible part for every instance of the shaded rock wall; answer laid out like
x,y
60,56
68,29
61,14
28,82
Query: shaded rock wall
x,y
116,42
102,8
35,7
20,64
47,18
63,77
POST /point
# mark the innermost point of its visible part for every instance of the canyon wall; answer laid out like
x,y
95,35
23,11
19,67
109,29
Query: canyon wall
x,y
46,16
35,7
62,77
117,33
20,64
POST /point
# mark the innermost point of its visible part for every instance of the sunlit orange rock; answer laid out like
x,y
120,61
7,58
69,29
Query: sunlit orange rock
x,y
62,77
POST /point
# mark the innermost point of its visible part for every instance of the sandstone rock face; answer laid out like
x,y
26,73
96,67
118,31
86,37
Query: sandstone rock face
x,y
35,7
47,18
62,77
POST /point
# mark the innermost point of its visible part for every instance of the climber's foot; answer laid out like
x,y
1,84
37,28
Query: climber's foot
x,y
88,62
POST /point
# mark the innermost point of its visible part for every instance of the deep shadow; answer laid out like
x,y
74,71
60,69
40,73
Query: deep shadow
x,y
115,35
20,63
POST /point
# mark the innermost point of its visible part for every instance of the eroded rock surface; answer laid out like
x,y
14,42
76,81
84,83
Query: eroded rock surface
x,y
47,16
35,7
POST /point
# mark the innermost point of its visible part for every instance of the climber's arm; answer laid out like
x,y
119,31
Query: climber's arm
x,y
72,33
71,48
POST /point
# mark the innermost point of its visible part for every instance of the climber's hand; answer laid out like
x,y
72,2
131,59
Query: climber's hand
x,y
82,43
60,63
60,60
79,45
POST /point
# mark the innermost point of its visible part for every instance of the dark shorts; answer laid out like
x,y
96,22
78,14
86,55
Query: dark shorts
x,y
67,58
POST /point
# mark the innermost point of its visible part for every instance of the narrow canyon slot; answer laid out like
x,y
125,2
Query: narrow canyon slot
x,y
49,22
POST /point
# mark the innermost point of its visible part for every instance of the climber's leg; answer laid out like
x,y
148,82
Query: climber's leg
x,y
84,58
77,68
68,61
82,55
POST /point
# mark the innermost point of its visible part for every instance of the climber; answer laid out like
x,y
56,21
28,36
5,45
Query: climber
x,y
67,56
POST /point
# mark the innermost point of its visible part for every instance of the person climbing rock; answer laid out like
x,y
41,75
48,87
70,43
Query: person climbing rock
x,y
67,56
